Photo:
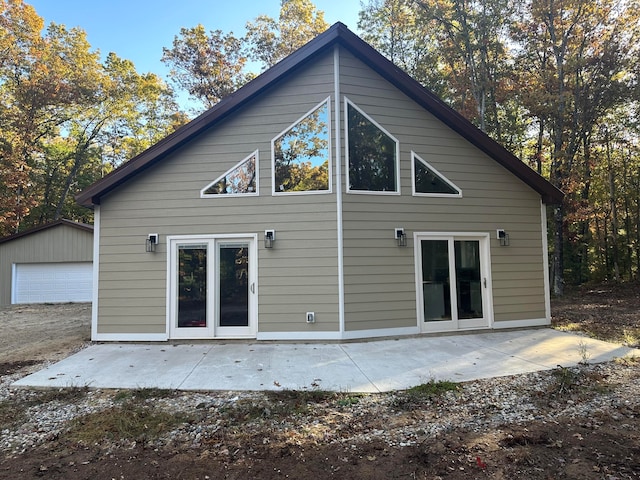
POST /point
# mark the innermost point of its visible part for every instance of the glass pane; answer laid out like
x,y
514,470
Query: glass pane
x,y
234,286
428,182
301,154
241,179
435,280
192,286
469,286
372,155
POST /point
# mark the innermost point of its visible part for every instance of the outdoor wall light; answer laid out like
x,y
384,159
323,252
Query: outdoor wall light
x,y
503,237
269,238
152,241
400,236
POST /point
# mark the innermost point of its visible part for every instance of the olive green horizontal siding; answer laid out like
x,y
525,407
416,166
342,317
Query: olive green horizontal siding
x,y
61,243
379,275
298,275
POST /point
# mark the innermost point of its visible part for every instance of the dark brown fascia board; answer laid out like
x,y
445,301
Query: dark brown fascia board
x,y
338,33
46,226
91,195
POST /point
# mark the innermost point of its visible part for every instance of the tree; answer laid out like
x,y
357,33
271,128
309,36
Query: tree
x,y
272,40
398,30
40,77
66,118
208,66
572,60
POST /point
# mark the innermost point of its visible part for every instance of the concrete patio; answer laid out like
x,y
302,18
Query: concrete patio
x,y
369,366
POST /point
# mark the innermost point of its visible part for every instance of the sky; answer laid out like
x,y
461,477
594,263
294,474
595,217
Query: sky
x,y
138,29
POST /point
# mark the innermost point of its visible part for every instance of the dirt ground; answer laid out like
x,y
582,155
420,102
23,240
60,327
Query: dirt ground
x,y
341,436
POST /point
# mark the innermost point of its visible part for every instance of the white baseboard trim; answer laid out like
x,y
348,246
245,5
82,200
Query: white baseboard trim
x,y
298,336
129,337
532,322
380,332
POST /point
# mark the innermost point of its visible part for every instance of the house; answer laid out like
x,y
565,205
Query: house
x,y
47,264
332,197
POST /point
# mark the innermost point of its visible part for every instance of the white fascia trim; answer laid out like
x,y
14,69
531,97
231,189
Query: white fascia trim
x,y
274,192
255,154
131,337
95,272
545,262
531,322
381,332
299,336
348,102
340,229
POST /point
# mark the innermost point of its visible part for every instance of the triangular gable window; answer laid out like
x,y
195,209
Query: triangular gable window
x,y
239,180
427,181
301,154
372,154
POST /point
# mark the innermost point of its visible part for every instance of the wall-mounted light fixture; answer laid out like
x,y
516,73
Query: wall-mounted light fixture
x,y
152,241
269,238
503,237
400,236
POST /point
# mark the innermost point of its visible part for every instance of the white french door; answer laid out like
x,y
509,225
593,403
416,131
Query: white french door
x,y
212,287
453,285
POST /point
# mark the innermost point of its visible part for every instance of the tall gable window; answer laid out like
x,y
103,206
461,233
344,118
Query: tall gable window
x,y
240,180
372,154
428,182
301,154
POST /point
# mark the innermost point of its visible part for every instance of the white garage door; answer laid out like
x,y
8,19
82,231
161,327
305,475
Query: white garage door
x,y
52,282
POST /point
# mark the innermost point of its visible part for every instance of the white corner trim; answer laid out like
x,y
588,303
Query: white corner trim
x,y
95,272
531,322
338,160
380,332
299,336
130,337
545,261
14,280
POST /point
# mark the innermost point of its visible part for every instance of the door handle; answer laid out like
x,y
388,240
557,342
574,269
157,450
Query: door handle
x,y
484,281
253,287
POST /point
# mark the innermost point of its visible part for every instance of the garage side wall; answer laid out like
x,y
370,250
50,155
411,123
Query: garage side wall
x,y
62,243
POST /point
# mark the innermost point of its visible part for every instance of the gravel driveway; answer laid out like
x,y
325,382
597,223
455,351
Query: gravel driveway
x,y
48,332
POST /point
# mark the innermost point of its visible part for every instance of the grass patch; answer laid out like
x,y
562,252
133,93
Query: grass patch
x,y
424,392
143,394
128,422
432,389
627,361
576,381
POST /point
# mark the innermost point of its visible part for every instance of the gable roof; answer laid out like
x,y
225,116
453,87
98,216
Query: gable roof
x,y
40,228
338,34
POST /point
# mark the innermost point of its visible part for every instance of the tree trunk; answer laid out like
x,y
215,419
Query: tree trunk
x,y
558,253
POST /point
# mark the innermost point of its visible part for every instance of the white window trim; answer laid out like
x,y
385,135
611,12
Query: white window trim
x,y
277,193
348,102
414,157
226,195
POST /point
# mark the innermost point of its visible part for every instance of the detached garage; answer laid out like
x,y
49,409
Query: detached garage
x,y
47,264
